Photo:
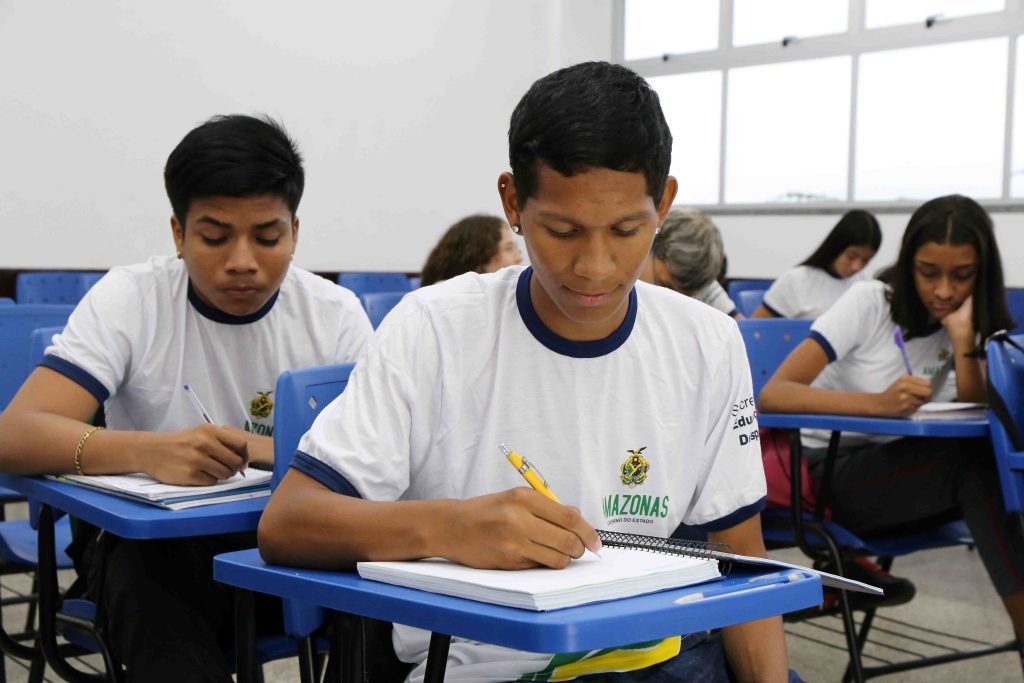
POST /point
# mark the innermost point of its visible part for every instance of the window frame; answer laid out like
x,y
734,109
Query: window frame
x,y
856,41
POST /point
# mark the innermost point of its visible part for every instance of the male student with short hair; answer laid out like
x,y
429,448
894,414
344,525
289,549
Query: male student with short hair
x,y
227,315
573,363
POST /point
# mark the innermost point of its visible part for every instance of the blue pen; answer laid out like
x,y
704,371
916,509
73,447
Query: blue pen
x,y
897,336
753,583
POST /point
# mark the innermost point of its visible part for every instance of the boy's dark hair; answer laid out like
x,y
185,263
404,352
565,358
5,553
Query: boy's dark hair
x,y
234,156
954,220
464,248
591,115
856,228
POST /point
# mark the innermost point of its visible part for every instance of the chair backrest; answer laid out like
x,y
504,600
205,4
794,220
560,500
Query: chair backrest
x,y
768,342
1006,378
737,286
749,300
364,283
16,326
378,304
41,338
299,397
6,301
415,282
54,287
1015,302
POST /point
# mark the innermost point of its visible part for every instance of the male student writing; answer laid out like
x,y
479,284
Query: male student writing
x,y
226,316
625,395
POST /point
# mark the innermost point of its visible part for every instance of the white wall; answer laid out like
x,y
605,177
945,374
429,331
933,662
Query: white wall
x,y
401,110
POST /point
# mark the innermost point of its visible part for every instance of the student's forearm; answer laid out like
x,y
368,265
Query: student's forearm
x,y
781,396
44,443
320,528
757,651
970,374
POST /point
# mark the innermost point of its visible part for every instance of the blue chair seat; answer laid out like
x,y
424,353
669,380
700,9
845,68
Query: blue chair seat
x,y
19,542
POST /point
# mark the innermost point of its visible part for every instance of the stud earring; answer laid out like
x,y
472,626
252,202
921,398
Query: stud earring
x,y
179,253
516,229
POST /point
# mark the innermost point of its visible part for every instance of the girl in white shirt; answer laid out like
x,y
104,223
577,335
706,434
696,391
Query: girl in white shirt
x,y
808,290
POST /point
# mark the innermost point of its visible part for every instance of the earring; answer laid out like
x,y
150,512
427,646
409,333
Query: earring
x,y
179,253
516,229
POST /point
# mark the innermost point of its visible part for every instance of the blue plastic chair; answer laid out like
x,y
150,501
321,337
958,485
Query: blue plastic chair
x,y
6,301
16,325
1006,385
1015,302
415,282
365,283
53,287
769,341
737,286
379,304
749,300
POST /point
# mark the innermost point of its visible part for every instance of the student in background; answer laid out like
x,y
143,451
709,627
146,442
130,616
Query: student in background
x,y
476,244
808,290
946,295
687,256
226,316
550,359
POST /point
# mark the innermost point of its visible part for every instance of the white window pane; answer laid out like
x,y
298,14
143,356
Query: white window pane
x,y
659,27
930,121
892,12
1017,160
787,128
764,21
693,108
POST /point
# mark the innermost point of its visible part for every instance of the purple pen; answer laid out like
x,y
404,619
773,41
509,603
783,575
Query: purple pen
x,y
897,336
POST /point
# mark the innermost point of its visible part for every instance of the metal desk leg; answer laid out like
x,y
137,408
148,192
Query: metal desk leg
x,y
245,637
437,658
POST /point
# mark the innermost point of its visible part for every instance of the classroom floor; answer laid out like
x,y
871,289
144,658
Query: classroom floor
x,y
953,595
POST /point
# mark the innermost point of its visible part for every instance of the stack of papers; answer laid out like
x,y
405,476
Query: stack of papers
x,y
950,411
618,573
144,489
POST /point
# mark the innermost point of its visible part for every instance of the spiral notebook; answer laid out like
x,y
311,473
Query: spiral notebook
x,y
630,564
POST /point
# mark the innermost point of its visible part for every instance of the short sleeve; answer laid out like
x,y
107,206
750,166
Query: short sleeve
x,y
95,349
783,298
716,297
732,486
354,329
842,328
365,441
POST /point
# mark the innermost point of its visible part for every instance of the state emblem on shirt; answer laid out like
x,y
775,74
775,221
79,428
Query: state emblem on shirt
x,y
261,406
944,355
634,470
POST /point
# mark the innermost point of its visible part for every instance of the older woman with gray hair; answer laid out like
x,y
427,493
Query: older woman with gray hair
x,y
687,256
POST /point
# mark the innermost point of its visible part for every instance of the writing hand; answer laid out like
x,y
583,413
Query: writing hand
x,y
197,456
517,529
904,396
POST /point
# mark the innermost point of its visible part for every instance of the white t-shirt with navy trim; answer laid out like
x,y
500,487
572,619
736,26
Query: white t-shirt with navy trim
x,y
461,366
141,333
857,336
714,295
806,292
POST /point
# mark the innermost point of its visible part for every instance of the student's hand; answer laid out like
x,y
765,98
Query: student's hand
x,y
904,396
261,448
517,529
198,456
960,323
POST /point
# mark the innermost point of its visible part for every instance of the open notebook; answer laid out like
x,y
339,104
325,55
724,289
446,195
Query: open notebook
x,y
939,411
618,573
144,489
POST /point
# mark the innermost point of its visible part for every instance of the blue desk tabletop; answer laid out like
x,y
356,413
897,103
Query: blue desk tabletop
x,y
876,425
129,519
736,599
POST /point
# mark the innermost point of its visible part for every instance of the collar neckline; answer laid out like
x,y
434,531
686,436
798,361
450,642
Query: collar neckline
x,y
219,316
568,347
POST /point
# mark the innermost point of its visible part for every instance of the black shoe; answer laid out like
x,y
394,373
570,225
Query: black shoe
x,y
897,589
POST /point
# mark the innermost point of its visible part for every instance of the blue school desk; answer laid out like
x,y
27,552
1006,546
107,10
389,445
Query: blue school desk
x,y
948,429
740,597
118,516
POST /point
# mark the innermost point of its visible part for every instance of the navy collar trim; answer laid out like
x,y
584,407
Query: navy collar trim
x,y
219,316
561,345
